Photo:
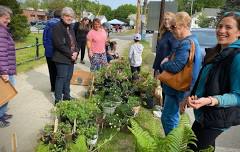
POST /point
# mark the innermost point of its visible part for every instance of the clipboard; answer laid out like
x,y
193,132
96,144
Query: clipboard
x,y
7,91
81,77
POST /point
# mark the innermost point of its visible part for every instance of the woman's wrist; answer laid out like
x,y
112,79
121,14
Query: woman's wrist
x,y
212,102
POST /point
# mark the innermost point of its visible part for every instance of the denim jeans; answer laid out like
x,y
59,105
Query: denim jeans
x,y
63,78
170,114
3,108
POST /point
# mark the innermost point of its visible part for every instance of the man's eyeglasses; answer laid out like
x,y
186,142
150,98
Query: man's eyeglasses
x,y
233,13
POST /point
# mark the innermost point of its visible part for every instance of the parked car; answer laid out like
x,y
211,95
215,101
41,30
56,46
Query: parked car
x,y
40,25
206,38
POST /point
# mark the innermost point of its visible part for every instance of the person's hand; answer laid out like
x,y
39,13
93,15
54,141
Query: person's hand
x,y
183,106
5,77
198,103
74,56
90,55
166,59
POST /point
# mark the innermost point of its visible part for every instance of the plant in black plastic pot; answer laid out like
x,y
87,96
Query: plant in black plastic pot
x,y
66,130
46,133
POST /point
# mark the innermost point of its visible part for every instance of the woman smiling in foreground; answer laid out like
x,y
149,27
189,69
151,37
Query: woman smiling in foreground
x,y
216,94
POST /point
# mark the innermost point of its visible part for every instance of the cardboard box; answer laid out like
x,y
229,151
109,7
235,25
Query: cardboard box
x,y
7,91
81,77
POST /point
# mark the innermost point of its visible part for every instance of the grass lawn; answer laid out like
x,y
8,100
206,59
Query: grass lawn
x,y
29,53
125,141
147,56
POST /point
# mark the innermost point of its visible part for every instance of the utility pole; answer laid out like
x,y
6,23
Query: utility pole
x,y
191,7
161,15
143,20
138,20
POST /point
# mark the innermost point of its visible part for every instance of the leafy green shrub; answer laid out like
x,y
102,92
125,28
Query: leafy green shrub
x,y
42,148
133,101
19,27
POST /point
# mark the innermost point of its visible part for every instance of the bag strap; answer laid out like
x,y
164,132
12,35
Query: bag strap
x,y
191,53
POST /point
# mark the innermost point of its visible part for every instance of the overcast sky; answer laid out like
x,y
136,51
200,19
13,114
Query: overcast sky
x,y
115,3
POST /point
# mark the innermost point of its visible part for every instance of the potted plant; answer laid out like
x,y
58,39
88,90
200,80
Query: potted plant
x,y
114,121
67,110
108,106
134,103
91,135
124,110
66,130
47,131
117,100
57,138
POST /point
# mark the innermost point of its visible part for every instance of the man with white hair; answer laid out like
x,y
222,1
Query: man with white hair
x,y
65,54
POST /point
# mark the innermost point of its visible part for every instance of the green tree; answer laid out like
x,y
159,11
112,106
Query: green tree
x,y
230,5
203,21
77,6
91,7
13,4
18,26
123,11
107,11
85,5
185,5
53,4
31,3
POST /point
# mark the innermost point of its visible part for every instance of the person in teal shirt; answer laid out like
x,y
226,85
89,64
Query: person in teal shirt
x,y
216,93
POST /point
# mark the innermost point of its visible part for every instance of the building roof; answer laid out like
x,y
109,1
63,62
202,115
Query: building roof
x,y
210,11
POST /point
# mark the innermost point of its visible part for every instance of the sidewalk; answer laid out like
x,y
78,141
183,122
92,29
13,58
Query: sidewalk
x,y
31,108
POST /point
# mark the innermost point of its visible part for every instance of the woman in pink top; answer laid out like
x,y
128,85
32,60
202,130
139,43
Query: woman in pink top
x,y
96,40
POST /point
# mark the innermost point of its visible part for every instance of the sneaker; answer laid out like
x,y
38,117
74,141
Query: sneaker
x,y
157,114
4,123
82,62
52,96
7,116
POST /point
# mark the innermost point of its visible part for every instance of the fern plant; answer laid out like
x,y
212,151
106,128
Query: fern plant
x,y
145,142
176,141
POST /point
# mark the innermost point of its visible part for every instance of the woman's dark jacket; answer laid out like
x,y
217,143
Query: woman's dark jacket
x,y
62,43
163,49
219,78
80,32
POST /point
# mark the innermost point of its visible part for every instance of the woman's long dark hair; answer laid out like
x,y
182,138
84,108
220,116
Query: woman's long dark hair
x,y
82,26
211,53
